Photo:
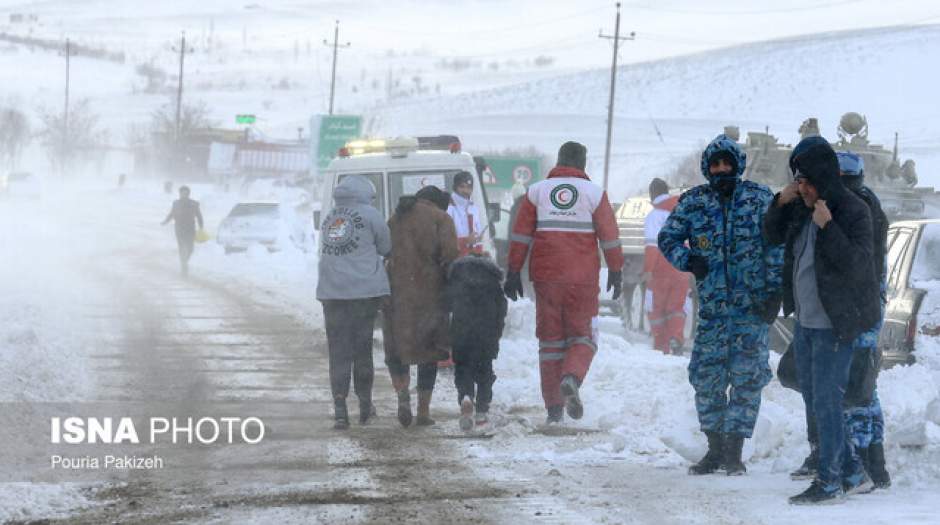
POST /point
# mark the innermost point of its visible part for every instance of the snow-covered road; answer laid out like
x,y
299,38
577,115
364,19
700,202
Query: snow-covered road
x,y
244,331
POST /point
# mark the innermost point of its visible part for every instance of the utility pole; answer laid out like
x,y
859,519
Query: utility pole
x,y
336,47
65,111
179,88
613,86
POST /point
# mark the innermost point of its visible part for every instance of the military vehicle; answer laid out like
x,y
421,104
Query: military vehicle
x,y
768,163
894,182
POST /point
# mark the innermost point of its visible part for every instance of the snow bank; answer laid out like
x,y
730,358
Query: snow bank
x,y
643,402
41,501
44,308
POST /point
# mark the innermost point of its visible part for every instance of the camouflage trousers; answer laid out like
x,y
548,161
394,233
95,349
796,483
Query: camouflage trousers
x,y
865,425
728,370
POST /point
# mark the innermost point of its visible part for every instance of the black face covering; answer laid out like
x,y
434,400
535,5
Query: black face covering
x,y
724,183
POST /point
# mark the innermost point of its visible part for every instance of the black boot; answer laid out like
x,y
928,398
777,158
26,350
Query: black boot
x,y
366,411
569,389
876,466
712,460
733,445
555,414
404,407
341,414
808,469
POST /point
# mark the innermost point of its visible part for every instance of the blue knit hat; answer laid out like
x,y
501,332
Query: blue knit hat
x,y
851,164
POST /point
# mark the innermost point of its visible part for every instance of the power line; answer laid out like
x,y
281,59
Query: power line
x,y
745,12
505,29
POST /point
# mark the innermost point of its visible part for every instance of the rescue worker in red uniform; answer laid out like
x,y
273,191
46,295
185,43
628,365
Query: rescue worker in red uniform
x,y
562,219
668,286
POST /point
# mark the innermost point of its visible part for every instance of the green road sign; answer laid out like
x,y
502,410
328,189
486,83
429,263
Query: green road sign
x,y
244,119
505,172
333,132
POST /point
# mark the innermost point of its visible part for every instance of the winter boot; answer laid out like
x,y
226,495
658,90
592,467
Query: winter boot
x,y
366,411
569,389
466,414
733,445
424,409
481,418
555,414
711,462
341,415
876,466
675,347
858,483
818,494
808,469
400,383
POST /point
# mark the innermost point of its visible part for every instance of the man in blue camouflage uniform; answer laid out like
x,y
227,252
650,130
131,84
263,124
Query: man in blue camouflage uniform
x,y
738,276
866,422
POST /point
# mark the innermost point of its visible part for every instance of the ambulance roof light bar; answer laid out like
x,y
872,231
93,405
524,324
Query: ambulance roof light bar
x,y
401,146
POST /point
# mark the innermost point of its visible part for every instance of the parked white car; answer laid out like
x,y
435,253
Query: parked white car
x,y
252,223
21,185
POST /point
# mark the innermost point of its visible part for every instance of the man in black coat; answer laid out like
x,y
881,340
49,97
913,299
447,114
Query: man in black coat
x,y
829,282
476,301
185,214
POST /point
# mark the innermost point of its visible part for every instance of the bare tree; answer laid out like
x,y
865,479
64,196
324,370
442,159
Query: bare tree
x,y
73,140
14,136
193,117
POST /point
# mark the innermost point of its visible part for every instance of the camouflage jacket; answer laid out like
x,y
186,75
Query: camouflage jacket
x,y
743,269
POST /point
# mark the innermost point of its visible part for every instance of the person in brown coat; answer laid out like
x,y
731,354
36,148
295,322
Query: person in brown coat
x,y
424,243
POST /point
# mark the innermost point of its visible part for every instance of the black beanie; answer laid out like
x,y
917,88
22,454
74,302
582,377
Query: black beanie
x,y
573,155
441,199
658,187
462,177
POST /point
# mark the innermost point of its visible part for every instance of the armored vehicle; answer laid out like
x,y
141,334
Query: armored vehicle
x,y
895,183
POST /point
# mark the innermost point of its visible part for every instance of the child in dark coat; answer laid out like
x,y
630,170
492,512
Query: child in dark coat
x,y
475,298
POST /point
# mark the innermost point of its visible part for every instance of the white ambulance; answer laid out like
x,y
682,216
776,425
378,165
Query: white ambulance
x,y
402,166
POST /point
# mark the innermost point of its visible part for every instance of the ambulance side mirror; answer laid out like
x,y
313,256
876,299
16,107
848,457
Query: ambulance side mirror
x,y
493,211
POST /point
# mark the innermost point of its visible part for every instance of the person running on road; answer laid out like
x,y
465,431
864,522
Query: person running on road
x,y
478,314
352,282
185,214
424,244
563,219
669,287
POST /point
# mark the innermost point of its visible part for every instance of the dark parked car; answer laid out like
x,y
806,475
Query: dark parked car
x,y
913,271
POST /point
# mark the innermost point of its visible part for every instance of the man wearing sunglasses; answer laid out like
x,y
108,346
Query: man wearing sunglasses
x,y
829,283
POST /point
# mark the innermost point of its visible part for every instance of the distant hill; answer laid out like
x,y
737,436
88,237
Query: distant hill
x,y
887,74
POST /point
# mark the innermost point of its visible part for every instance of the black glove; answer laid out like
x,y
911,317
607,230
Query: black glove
x,y
615,283
513,285
770,308
698,265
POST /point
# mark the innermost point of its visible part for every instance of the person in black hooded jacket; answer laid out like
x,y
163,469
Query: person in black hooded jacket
x,y
829,281
474,296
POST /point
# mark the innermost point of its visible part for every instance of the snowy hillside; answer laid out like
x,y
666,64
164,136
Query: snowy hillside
x,y
885,74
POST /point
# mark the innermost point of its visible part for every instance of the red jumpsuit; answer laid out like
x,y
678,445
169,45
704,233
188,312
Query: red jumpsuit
x,y
561,220
669,286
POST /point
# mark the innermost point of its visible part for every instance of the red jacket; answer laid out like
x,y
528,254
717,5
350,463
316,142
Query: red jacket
x,y
562,219
653,261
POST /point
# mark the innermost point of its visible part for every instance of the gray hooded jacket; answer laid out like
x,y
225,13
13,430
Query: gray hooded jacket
x,y
353,239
